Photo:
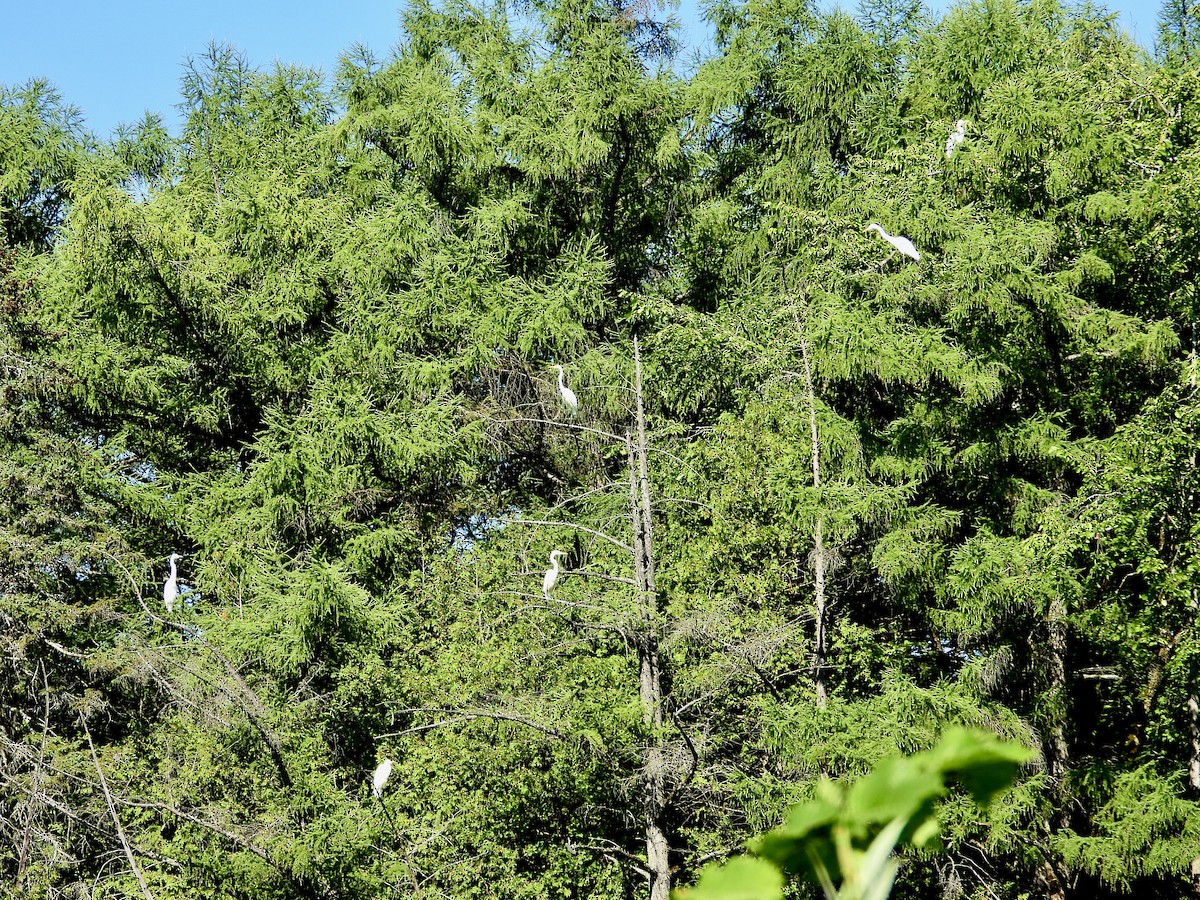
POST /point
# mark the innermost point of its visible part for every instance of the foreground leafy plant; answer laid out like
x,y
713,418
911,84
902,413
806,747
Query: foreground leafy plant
x,y
847,833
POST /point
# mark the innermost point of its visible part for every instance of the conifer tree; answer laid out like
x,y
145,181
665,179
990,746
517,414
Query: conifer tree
x,y
815,500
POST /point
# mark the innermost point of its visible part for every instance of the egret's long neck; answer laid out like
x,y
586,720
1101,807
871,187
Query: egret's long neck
x,y
173,572
561,385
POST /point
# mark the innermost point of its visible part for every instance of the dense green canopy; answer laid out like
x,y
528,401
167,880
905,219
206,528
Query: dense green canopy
x,y
819,500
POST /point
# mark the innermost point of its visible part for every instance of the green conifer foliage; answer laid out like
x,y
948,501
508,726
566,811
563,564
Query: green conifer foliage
x,y
815,499
42,145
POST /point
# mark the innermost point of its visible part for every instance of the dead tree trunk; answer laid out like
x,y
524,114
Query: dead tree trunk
x,y
654,801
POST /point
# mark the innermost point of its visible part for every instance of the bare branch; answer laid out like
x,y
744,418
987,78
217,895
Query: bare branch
x,y
255,711
63,650
467,715
600,534
612,850
583,573
237,839
695,761
577,497
570,425
112,811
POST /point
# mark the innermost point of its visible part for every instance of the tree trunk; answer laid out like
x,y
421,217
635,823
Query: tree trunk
x,y
1193,700
1058,752
658,847
1193,705
1056,627
1050,882
820,601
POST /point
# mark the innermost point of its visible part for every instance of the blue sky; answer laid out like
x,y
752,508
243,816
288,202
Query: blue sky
x,y
115,60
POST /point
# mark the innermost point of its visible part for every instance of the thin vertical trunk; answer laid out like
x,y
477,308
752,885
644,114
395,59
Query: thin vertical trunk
x,y
1057,750
1193,700
820,601
1193,706
658,848
1056,626
644,482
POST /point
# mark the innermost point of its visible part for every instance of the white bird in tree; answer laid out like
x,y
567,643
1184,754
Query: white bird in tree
x,y
552,572
902,244
171,587
382,772
957,136
568,395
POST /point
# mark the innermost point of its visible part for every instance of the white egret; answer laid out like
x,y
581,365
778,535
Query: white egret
x,y
568,395
552,572
171,587
382,772
957,136
902,244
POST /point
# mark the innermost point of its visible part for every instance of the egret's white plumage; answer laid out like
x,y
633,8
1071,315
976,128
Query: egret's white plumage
x,y
382,772
568,395
552,572
902,244
171,587
957,136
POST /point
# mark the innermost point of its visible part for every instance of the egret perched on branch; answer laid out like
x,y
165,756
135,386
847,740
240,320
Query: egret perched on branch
x,y
552,572
568,395
957,136
902,244
382,772
171,588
